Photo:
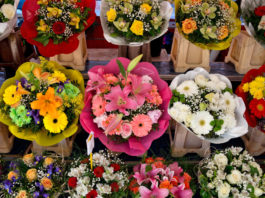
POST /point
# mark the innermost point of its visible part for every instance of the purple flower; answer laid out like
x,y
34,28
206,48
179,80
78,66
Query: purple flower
x,y
40,186
35,114
12,165
25,84
60,89
8,186
36,194
58,170
45,195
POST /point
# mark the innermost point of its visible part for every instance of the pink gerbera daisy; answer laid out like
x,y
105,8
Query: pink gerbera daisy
x,y
98,105
141,125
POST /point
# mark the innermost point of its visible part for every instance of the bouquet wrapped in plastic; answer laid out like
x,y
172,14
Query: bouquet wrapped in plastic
x,y
134,22
205,104
42,102
126,107
209,24
53,26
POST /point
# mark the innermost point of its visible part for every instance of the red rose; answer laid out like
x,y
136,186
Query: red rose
x,y
98,172
72,182
116,167
58,27
92,194
114,187
260,11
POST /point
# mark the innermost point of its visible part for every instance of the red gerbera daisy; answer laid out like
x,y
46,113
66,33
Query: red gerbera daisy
x,y
98,171
58,27
92,194
114,187
257,107
116,167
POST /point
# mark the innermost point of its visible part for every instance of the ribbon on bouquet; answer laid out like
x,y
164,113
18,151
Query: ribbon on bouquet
x,y
90,143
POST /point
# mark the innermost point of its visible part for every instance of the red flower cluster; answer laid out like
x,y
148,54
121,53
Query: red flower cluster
x,y
134,186
58,27
72,182
98,171
92,194
158,162
114,187
260,11
116,167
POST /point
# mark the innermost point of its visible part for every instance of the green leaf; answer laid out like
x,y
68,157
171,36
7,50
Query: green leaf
x,y
122,70
205,194
134,63
148,168
253,171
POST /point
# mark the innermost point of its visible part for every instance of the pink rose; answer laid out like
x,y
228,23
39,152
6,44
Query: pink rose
x,y
126,130
154,115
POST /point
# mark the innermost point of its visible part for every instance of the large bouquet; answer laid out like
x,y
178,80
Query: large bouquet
x,y
42,102
33,176
126,109
209,24
252,91
231,173
104,176
8,17
205,104
53,26
134,22
155,179
253,13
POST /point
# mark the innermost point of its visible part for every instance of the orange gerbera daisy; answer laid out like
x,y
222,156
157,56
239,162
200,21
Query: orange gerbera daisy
x,y
48,103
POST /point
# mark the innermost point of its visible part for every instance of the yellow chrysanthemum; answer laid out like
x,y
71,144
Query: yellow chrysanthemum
x,y
260,79
146,8
137,27
258,94
111,15
245,87
55,124
256,88
11,96
57,76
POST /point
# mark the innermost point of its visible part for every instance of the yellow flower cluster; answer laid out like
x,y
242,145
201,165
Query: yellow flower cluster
x,y
256,88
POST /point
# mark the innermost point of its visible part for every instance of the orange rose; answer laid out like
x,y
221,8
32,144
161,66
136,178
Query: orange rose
x,y
47,183
222,32
188,26
22,194
166,184
12,175
31,174
28,159
48,161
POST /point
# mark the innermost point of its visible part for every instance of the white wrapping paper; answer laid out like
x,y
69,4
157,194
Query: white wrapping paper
x,y
241,127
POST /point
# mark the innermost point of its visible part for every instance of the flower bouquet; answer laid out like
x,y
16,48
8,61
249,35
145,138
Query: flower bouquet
x,y
8,17
53,26
33,176
231,173
126,107
253,13
134,22
42,102
105,176
205,104
209,24
155,179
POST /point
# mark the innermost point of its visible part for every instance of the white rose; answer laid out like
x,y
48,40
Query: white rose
x,y
258,192
201,80
220,160
262,23
224,190
235,177
8,11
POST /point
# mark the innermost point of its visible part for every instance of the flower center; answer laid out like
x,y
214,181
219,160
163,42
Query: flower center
x,y
202,122
13,95
186,88
227,102
140,125
260,107
55,121
121,102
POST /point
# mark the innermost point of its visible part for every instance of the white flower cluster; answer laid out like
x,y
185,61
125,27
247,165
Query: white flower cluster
x,y
233,173
204,105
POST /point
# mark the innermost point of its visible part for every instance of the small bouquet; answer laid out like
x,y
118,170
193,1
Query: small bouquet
x,y
42,102
205,104
134,22
252,91
253,13
8,18
53,26
104,176
155,179
209,24
126,107
231,173
33,176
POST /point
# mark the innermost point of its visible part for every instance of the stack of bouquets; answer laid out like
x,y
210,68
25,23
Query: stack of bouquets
x,y
134,22
155,179
53,26
127,109
252,91
7,17
34,176
209,24
231,173
42,102
205,104
253,13
104,176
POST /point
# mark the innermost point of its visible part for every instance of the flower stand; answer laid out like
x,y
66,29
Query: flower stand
x,y
76,59
6,139
254,142
131,52
186,142
245,53
186,55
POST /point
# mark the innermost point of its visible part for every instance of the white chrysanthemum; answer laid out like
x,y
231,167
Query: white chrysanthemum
x,y
147,79
228,102
179,111
188,88
229,120
220,160
201,80
234,177
224,190
200,122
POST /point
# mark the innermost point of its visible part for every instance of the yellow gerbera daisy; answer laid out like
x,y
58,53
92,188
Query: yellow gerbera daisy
x,y
11,96
55,124
58,76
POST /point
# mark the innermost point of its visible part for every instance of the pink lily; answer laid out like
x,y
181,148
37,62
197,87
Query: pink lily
x,y
143,176
155,192
180,192
96,80
119,100
176,168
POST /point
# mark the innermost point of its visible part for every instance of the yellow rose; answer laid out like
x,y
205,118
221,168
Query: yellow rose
x,y
146,8
111,15
12,175
188,26
47,183
222,32
31,174
48,161
22,194
28,159
137,27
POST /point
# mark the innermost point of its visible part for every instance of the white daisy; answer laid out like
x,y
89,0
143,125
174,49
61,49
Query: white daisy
x,y
229,120
188,88
228,102
200,122
179,111
201,80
